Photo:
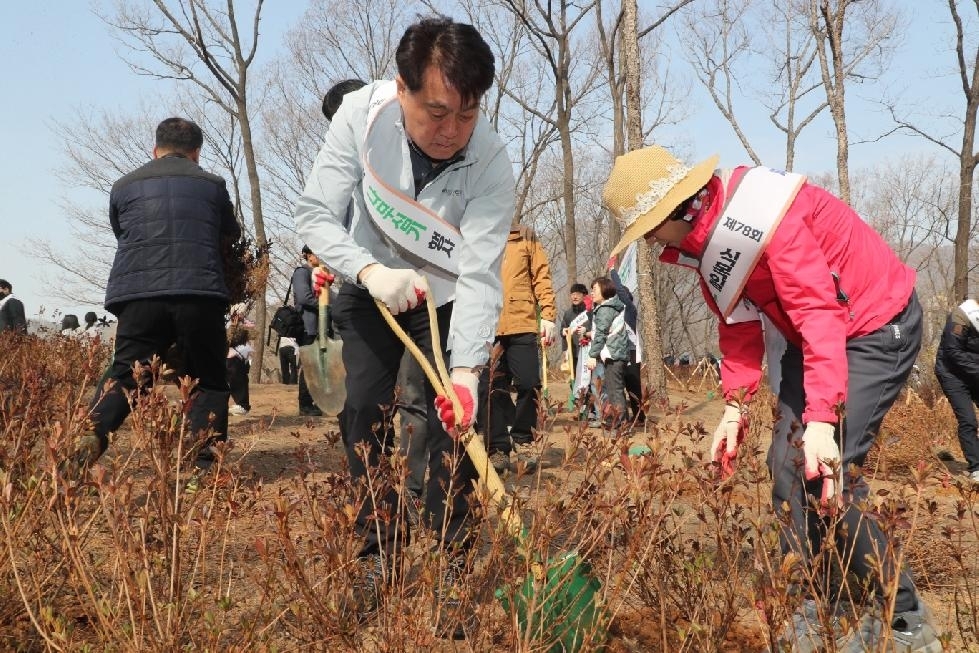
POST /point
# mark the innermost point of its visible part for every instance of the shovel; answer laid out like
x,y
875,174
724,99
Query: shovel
x,y
567,366
322,363
556,603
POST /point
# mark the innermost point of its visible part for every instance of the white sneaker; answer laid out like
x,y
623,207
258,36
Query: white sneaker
x,y
237,410
974,476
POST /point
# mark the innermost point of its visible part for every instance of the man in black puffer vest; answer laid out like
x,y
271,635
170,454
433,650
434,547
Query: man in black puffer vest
x,y
167,281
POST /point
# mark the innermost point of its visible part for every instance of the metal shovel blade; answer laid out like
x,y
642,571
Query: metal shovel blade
x,y
325,374
322,363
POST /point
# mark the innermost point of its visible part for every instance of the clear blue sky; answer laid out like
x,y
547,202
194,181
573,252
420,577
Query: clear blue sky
x,y
59,57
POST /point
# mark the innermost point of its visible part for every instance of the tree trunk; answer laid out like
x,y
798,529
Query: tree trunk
x,y
967,171
646,268
258,220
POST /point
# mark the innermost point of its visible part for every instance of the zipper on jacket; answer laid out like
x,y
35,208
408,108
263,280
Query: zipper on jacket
x,y
841,296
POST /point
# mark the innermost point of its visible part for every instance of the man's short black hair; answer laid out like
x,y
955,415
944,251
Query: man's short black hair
x,y
458,50
334,97
306,250
4,284
91,318
179,135
579,287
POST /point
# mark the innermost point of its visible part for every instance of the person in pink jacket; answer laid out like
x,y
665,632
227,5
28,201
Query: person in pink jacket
x,y
793,271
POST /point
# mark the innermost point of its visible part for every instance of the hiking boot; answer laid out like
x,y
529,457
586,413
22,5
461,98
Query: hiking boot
x,y
526,454
310,411
237,410
454,617
88,450
367,584
911,632
413,506
806,633
500,460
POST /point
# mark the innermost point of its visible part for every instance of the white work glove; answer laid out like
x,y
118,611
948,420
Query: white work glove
x,y
465,383
591,363
400,289
727,436
822,454
547,332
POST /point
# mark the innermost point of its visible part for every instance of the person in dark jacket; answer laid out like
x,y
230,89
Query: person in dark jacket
x,y
957,369
305,300
167,284
573,313
11,310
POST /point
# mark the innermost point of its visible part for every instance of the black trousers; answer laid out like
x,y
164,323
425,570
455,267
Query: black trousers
x,y
287,365
237,371
149,327
633,387
305,399
963,397
518,365
878,366
372,357
613,387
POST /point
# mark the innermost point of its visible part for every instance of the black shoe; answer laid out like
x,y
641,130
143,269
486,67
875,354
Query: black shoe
x,y
454,617
310,411
367,584
413,510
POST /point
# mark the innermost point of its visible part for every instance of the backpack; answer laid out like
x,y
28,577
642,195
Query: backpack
x,y
287,321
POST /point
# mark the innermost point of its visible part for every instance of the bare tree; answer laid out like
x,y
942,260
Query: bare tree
x,y
967,63
204,43
858,54
552,29
735,36
661,98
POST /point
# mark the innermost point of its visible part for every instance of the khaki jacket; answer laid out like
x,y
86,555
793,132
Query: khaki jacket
x,y
526,284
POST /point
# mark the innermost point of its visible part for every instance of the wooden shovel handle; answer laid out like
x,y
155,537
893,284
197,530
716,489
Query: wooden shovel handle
x,y
324,302
442,383
543,374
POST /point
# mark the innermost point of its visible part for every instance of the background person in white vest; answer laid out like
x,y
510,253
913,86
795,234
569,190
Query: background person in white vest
x,y
432,193
816,273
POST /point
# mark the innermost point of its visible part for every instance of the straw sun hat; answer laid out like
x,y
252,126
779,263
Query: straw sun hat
x,y
646,185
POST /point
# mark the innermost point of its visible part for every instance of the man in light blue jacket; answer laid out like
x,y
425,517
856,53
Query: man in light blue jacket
x,y
432,194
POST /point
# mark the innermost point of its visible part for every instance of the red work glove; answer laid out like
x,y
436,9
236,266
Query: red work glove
x,y
321,277
465,383
728,435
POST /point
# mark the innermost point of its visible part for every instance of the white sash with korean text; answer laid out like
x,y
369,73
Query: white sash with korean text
x,y
403,221
741,234
579,320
